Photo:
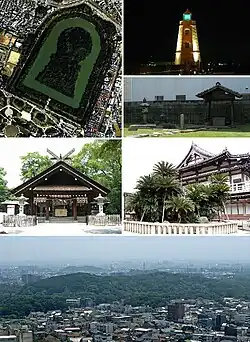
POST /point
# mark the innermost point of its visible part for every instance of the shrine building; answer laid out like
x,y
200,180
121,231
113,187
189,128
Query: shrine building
x,y
60,192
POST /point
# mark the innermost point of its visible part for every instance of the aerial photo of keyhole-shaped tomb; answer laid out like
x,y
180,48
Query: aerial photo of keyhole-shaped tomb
x,y
68,71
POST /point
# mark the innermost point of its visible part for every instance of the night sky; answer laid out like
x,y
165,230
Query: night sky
x,y
152,30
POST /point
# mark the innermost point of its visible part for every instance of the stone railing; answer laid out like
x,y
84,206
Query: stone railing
x,y
107,220
213,228
19,221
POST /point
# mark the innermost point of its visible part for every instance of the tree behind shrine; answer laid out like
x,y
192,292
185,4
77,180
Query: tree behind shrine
x,y
33,163
4,190
102,162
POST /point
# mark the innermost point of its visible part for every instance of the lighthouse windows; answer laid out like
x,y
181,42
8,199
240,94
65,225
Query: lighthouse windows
x,y
187,16
186,45
186,32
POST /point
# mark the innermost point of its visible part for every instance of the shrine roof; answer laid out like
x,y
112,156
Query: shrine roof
x,y
205,157
218,86
61,188
57,167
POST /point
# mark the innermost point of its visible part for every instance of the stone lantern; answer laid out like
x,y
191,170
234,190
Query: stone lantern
x,y
100,200
144,106
22,202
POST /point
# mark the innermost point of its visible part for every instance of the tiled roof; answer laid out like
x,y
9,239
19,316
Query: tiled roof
x,y
61,188
219,86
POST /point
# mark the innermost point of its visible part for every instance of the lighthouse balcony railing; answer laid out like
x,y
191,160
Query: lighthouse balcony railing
x,y
240,187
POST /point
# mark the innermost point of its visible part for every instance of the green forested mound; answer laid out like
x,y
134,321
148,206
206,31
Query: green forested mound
x,y
84,269
154,289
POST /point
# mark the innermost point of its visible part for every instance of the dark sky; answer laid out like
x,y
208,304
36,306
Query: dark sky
x,y
152,30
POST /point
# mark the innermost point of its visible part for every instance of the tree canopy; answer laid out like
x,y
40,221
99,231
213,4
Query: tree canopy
x,y
147,288
102,161
4,190
160,195
32,164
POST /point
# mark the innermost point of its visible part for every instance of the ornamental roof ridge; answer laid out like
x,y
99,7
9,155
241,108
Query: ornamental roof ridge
x,y
201,150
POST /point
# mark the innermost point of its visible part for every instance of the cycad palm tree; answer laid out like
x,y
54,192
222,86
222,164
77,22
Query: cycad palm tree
x,y
134,203
146,184
166,181
219,191
146,196
166,188
164,169
180,205
199,196
219,178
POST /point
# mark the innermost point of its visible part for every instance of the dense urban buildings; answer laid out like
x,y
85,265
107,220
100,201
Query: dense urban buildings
x,y
208,317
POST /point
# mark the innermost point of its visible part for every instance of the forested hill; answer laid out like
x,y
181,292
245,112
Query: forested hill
x,y
84,269
153,289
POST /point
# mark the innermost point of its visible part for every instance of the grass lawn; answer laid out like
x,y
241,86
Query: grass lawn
x,y
243,132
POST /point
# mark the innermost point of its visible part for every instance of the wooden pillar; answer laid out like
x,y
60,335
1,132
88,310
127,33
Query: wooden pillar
x,y
208,119
74,209
230,172
32,203
196,175
89,206
47,210
237,204
232,113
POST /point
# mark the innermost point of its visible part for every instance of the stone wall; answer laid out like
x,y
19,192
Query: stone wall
x,y
194,111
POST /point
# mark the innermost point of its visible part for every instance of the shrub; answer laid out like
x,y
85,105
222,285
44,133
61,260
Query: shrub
x,y
168,125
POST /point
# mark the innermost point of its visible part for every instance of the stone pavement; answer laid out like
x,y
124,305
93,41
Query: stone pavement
x,y
61,229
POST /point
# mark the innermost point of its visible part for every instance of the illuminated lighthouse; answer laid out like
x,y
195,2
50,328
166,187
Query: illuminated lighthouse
x,y
187,49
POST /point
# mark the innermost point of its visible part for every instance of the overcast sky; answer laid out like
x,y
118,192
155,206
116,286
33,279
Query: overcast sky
x,y
136,88
140,155
12,149
119,248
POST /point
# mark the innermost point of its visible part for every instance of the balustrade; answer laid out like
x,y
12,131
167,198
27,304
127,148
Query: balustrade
x,y
107,220
214,228
19,221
